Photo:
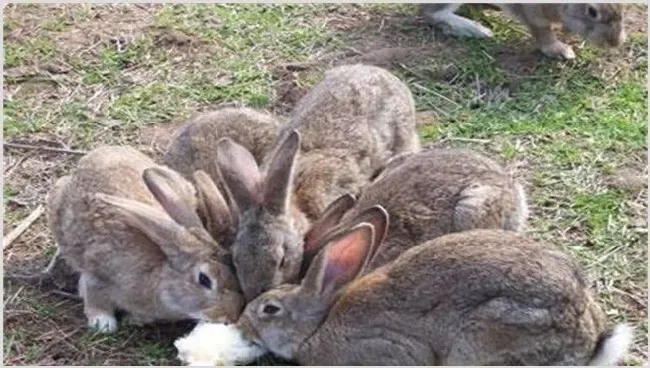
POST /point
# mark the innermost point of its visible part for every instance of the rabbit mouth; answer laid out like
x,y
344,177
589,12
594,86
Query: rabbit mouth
x,y
249,332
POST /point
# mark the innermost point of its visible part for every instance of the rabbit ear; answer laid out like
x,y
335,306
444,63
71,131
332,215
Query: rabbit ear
x,y
340,262
240,173
166,189
279,176
153,223
214,207
324,228
377,216
328,220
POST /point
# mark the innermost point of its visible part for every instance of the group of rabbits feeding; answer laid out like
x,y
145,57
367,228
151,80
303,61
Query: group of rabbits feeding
x,y
332,239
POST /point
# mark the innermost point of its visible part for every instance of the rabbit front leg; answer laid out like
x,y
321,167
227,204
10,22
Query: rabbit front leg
x,y
139,320
364,346
98,307
443,16
548,43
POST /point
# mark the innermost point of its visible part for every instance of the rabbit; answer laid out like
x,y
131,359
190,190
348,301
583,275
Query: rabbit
x,y
600,23
131,229
351,123
480,297
344,129
436,192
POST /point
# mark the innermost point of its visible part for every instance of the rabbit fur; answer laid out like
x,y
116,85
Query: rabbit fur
x,y
432,193
130,227
193,145
351,123
343,130
480,297
600,23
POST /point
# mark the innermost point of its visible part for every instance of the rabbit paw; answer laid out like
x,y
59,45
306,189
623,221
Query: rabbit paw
x,y
104,323
559,50
138,320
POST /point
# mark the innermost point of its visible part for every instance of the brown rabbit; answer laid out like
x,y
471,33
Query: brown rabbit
x,y
351,123
193,145
482,297
131,229
347,127
436,192
602,24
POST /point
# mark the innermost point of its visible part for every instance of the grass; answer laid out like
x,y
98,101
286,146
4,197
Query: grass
x,y
78,76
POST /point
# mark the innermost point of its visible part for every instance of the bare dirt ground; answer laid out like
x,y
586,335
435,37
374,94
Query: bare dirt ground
x,y
79,76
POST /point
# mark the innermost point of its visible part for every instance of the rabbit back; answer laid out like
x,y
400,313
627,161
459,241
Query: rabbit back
x,y
482,297
364,110
193,146
440,191
90,237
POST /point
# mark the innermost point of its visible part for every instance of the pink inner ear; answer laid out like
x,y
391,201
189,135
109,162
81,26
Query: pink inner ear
x,y
313,236
345,257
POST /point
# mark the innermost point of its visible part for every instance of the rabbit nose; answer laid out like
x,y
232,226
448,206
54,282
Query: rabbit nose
x,y
244,325
617,38
226,312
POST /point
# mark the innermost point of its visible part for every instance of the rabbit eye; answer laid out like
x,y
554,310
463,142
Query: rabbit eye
x,y
270,309
592,12
205,281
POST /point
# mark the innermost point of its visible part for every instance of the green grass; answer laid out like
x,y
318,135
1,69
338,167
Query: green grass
x,y
17,54
7,193
154,352
566,127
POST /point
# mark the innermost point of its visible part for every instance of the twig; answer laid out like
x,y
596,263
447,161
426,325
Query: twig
x,y
142,7
418,86
24,225
636,299
43,148
605,256
13,167
13,297
470,140
352,49
64,294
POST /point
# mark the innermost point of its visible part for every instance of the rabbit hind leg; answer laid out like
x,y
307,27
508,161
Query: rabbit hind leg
x,y
443,16
98,307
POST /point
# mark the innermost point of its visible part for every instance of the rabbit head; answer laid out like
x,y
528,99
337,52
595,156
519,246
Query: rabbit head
x,y
268,246
601,24
283,318
197,280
